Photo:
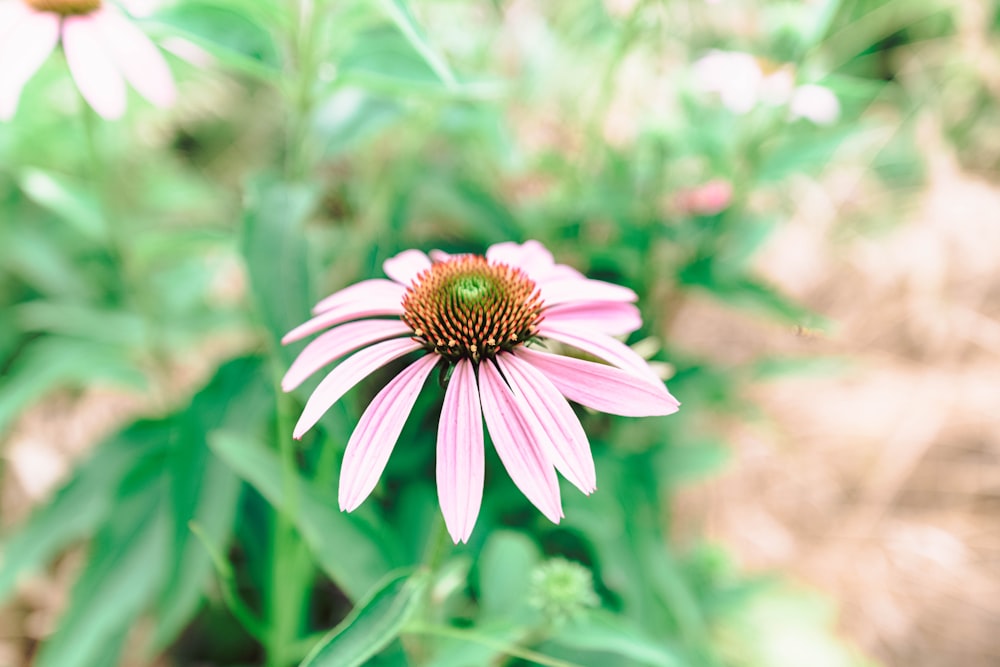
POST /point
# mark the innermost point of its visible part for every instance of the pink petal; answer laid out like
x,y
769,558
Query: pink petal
x,y
531,256
342,378
406,266
440,256
336,343
25,43
599,345
531,471
556,273
379,302
376,434
611,317
555,426
96,76
135,56
378,288
583,291
460,453
602,387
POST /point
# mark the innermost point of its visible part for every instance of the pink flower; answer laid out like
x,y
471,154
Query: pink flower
x,y
103,50
708,198
475,317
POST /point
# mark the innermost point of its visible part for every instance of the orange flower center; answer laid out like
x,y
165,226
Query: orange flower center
x,y
65,7
469,308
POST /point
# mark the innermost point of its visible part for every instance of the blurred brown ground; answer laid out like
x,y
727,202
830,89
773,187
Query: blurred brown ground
x,y
878,482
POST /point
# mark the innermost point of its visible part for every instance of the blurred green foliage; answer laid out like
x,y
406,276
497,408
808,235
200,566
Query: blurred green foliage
x,y
312,141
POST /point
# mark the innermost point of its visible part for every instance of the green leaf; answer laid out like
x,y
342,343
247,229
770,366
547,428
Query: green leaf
x,y
79,320
399,13
123,572
52,362
78,508
275,249
202,489
602,631
71,202
682,463
351,553
505,567
372,625
229,32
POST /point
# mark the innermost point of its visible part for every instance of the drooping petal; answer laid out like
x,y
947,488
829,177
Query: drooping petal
x,y
555,426
28,38
350,372
584,291
614,318
366,290
602,387
376,434
337,342
599,345
90,63
406,266
377,305
460,462
135,56
526,464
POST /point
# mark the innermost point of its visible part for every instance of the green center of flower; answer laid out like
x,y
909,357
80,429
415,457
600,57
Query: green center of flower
x,y
469,308
65,7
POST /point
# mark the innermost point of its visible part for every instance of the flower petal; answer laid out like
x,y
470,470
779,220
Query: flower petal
x,y
460,461
531,471
377,304
582,290
376,434
406,266
96,76
342,378
440,256
533,258
611,317
28,38
365,291
555,426
602,387
599,345
337,342
136,57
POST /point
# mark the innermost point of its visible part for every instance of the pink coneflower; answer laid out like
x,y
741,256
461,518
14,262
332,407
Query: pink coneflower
x,y
103,50
474,318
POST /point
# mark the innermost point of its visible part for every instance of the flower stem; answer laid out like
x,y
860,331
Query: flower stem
x,y
291,568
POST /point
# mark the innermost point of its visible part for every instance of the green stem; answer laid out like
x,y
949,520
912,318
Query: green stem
x,y
291,567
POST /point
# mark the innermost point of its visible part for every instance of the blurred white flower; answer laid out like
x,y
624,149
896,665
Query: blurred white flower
x,y
743,82
740,80
815,103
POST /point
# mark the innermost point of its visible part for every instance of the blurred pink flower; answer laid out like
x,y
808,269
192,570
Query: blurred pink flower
x,y
473,316
103,49
706,199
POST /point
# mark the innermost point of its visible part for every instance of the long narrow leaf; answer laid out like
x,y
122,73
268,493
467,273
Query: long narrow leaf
x,y
372,625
